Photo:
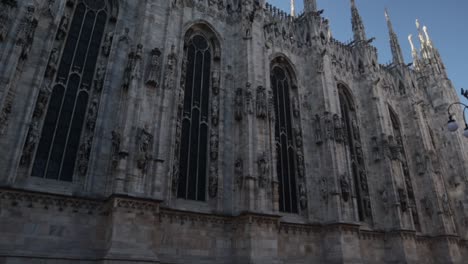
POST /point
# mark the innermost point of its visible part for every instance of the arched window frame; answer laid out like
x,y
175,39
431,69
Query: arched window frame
x,y
203,185
398,137
292,195
78,52
355,153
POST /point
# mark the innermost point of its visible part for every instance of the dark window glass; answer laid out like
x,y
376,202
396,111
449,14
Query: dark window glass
x,y
286,151
195,130
63,124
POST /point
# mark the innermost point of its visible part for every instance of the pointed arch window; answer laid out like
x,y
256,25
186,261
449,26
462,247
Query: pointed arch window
x,y
194,141
61,133
354,147
396,127
286,164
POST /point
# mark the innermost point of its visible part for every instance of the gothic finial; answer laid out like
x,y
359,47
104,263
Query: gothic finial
x,y
394,43
358,25
293,8
414,51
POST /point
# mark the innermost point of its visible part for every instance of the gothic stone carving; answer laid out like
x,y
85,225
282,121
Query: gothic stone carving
x,y
169,77
302,196
213,181
145,141
154,69
318,130
239,172
345,188
6,10
215,82
403,199
31,141
133,68
83,155
52,65
63,28
4,117
215,112
214,143
26,31
263,170
99,78
238,104
338,126
261,102
106,47
248,99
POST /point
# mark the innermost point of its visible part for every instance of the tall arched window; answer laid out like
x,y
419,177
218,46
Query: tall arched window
x,y
195,136
354,147
287,151
60,139
401,158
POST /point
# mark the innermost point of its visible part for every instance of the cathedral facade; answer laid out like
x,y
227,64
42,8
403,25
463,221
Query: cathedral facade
x,y
221,131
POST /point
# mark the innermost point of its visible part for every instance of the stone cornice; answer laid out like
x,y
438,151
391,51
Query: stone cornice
x,y
143,206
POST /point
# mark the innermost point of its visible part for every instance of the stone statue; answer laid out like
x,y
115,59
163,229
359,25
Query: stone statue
x,y
52,65
213,182
214,145
154,69
106,47
215,82
169,77
403,199
26,32
318,130
262,164
145,140
261,102
338,127
345,188
31,142
238,104
63,28
239,172
215,112
302,196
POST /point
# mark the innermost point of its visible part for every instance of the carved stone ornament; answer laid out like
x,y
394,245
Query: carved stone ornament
x,y
83,155
92,115
384,198
248,99
99,78
63,28
213,182
328,126
6,14
4,117
427,205
345,188
318,130
271,106
154,70
215,82
404,205
169,76
106,46
239,172
215,112
298,136
261,102
31,142
300,164
446,205
376,149
26,32
302,196
214,145
295,104
175,177
323,188
145,141
263,169
52,65
238,104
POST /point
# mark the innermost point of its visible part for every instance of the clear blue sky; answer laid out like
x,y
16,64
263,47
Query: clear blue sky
x,y
447,23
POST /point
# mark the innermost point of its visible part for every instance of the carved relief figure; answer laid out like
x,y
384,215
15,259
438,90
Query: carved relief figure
x,y
106,47
52,65
215,82
213,182
403,199
295,105
262,164
238,104
214,143
63,28
26,31
239,172
4,117
248,99
99,78
261,102
338,127
318,130
345,188
30,145
302,196
169,77
154,69
145,140
214,112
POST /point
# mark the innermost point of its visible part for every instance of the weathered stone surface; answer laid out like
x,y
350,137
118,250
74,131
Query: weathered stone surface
x,y
382,182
